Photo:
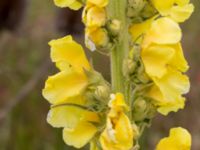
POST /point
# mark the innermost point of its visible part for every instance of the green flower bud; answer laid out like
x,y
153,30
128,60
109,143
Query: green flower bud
x,y
135,7
143,109
139,108
114,26
141,75
102,92
129,67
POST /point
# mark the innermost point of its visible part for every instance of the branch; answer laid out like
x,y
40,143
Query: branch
x,y
26,89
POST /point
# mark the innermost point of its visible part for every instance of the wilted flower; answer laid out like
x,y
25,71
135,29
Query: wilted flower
x,y
118,134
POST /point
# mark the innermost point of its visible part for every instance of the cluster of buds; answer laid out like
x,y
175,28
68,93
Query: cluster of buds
x,y
95,19
148,69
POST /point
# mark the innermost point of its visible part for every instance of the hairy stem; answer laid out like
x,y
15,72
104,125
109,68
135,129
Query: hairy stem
x,y
117,10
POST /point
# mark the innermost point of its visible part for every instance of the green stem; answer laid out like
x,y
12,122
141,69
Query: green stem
x,y
117,10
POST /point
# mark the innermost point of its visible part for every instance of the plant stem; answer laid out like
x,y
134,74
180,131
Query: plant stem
x,y
117,10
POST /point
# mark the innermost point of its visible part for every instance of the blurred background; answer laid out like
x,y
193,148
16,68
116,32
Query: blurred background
x,y
26,26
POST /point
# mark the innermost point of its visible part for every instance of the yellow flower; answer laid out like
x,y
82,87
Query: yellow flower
x,y
66,53
77,123
163,59
178,10
151,31
118,134
70,58
94,17
138,30
167,91
179,139
64,85
99,3
99,36
65,92
73,4
157,58
162,31
160,50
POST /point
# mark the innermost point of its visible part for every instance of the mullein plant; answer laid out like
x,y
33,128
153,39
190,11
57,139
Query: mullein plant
x,y
143,40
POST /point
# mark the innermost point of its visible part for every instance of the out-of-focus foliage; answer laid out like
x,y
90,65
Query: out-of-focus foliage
x,y
23,53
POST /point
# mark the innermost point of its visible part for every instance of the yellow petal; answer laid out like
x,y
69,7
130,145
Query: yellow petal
x,y
124,132
99,3
76,5
73,4
163,7
65,52
182,2
96,17
179,61
69,116
98,36
163,25
179,139
173,83
118,134
66,84
156,59
181,13
117,104
171,106
165,105
138,30
167,91
79,136
117,100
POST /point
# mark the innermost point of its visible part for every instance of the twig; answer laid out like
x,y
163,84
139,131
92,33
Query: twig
x,y
26,89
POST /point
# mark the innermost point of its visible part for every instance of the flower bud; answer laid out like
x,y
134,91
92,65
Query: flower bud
x,y
141,75
139,108
143,109
95,17
129,67
102,92
114,26
135,7
99,37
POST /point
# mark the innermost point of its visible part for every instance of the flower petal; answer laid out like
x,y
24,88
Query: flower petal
x,y
73,4
163,25
99,3
165,105
156,59
172,84
65,52
124,132
138,30
69,116
171,106
179,61
66,84
181,13
76,5
118,134
163,7
182,2
179,139
79,136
